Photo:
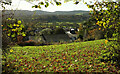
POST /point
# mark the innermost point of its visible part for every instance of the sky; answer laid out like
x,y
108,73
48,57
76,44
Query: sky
x,y
69,6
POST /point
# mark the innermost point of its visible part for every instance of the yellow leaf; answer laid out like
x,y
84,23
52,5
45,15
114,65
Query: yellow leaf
x,y
64,58
9,18
11,50
116,6
19,22
8,65
90,10
12,29
104,24
18,71
106,41
101,22
99,28
9,34
17,25
18,33
14,24
23,35
88,6
103,63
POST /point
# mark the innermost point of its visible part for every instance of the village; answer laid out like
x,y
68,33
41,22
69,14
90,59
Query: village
x,y
63,36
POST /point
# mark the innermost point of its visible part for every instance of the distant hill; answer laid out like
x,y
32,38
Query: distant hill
x,y
43,16
39,12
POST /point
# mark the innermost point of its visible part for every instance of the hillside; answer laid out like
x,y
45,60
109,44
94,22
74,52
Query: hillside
x,y
73,57
39,12
43,16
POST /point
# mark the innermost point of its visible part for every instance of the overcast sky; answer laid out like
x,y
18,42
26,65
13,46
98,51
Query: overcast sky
x,y
70,6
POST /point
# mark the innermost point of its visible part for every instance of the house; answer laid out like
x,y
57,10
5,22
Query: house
x,y
72,31
37,38
51,38
57,38
67,37
71,35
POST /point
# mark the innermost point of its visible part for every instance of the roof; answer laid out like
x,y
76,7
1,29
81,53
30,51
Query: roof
x,y
70,34
51,38
57,37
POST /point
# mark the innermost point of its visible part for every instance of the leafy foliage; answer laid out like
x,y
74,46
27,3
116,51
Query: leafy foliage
x,y
108,19
59,30
80,32
46,4
3,3
27,43
13,28
46,31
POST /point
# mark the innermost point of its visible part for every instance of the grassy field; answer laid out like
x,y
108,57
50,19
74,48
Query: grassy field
x,y
73,57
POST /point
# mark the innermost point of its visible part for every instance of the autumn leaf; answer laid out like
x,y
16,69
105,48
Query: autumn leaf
x,y
64,58
106,41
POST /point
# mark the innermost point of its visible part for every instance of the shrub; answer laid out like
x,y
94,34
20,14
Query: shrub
x,y
91,34
19,38
27,43
111,53
13,28
95,34
59,31
46,31
99,34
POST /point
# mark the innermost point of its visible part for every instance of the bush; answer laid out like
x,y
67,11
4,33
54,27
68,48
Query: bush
x,y
19,38
59,31
91,34
27,43
99,34
111,53
95,34
13,28
46,31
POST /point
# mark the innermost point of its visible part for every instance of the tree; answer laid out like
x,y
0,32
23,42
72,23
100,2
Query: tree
x,y
5,2
108,19
46,3
11,27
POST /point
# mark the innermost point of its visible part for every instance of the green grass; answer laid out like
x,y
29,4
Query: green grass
x,y
79,56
